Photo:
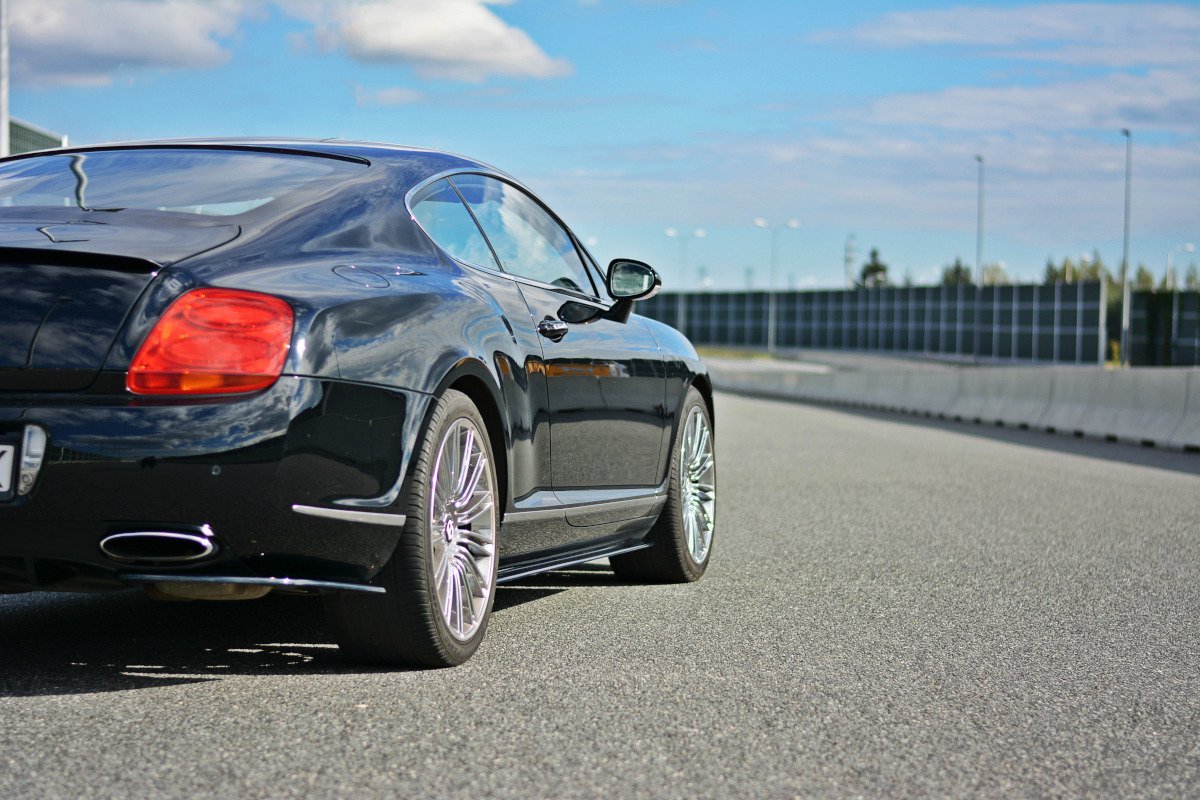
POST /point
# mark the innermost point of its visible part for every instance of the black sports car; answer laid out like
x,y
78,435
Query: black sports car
x,y
388,375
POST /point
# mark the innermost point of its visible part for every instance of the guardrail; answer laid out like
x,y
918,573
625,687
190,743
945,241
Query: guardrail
x,y
1150,406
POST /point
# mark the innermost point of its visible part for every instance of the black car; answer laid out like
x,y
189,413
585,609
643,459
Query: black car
x,y
384,374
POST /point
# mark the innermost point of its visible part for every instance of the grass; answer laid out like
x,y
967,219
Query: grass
x,y
731,352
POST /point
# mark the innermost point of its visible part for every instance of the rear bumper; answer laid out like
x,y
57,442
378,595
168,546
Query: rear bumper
x,y
236,466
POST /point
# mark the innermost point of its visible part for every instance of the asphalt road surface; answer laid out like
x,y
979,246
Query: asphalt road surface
x,y
896,608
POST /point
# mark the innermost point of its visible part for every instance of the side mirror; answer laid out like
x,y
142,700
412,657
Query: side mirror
x,y
632,280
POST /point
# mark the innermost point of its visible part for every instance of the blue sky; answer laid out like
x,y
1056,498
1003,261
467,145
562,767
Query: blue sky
x,y
633,116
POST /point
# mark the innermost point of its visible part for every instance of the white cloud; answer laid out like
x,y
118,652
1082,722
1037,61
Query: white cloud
x,y
84,42
1077,33
450,39
1160,100
87,42
1117,65
391,96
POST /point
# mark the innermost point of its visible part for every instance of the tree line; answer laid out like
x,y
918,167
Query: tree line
x,y
874,273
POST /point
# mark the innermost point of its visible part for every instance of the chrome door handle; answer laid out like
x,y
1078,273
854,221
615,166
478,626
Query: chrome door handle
x,y
553,329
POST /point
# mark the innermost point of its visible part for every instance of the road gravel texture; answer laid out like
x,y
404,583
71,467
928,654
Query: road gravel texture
x,y
895,608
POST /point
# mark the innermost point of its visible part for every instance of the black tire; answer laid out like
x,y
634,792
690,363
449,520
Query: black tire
x,y
669,559
406,627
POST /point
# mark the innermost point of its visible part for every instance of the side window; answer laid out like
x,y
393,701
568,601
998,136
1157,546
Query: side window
x,y
443,216
528,241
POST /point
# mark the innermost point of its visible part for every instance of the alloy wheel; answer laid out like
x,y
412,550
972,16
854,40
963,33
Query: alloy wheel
x,y
462,529
697,478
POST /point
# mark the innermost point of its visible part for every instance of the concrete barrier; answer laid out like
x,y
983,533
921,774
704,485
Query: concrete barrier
x,y
889,390
1023,399
974,389
1159,406
1144,405
1187,433
933,392
1016,397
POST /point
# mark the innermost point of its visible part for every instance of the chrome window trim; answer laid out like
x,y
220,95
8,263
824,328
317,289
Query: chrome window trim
x,y
584,257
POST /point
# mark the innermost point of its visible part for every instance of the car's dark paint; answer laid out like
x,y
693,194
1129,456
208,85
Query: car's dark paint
x,y
385,322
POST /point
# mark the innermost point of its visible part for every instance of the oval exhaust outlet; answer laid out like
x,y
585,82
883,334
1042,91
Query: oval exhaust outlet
x,y
157,547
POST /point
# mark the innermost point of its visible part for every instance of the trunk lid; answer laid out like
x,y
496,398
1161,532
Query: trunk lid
x,y
67,285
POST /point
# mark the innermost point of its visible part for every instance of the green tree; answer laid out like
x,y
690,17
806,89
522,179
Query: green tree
x,y
1191,279
956,273
874,272
1092,268
1052,274
1143,279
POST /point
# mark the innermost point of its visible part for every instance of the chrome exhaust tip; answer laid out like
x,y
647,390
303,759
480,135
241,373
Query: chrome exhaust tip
x,y
158,547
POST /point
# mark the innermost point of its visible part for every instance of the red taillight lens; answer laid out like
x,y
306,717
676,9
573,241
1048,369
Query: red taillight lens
x,y
214,341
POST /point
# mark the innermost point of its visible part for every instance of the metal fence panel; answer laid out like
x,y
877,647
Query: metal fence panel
x,y
1059,323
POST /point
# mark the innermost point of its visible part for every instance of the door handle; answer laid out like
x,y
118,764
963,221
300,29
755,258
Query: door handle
x,y
553,329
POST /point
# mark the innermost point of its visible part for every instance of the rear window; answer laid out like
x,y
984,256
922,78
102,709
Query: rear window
x,y
210,182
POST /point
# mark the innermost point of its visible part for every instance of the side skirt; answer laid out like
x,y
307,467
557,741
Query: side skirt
x,y
518,567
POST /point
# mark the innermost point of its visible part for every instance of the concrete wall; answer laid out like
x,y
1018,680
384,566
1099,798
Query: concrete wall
x,y
1154,406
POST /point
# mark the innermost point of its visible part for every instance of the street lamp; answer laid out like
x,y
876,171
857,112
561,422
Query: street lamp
x,y
759,222
1169,280
5,145
979,227
675,233
1125,293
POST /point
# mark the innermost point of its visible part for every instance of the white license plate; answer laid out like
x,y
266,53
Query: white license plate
x,y
8,458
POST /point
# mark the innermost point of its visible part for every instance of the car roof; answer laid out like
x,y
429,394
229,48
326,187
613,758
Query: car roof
x,y
373,152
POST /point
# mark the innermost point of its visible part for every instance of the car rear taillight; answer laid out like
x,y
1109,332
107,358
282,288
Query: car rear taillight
x,y
214,341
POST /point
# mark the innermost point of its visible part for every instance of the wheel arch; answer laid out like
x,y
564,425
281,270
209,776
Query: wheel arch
x,y
473,379
704,386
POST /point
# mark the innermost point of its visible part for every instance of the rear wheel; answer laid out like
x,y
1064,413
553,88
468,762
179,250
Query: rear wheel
x,y
682,538
441,579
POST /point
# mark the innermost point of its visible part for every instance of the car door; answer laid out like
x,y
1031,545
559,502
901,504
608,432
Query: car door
x,y
604,378
438,209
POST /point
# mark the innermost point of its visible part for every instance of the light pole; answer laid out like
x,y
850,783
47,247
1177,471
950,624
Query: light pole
x,y
1169,280
1125,293
848,261
979,227
759,222
5,145
681,301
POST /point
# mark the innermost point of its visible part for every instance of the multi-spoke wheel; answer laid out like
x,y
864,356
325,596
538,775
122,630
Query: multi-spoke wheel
x,y
462,529
683,536
697,477
441,579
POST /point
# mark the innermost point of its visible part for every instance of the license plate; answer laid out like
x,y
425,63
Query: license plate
x,y
8,460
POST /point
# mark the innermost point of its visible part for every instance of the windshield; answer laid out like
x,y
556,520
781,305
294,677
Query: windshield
x,y
210,182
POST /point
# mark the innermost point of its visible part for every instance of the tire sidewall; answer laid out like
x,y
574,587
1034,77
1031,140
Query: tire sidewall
x,y
452,407
693,568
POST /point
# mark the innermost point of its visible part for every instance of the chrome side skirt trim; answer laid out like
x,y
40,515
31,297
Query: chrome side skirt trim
x,y
617,500
352,515
282,583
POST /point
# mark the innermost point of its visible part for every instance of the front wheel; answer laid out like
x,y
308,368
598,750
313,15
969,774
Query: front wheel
x,y
682,539
441,579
